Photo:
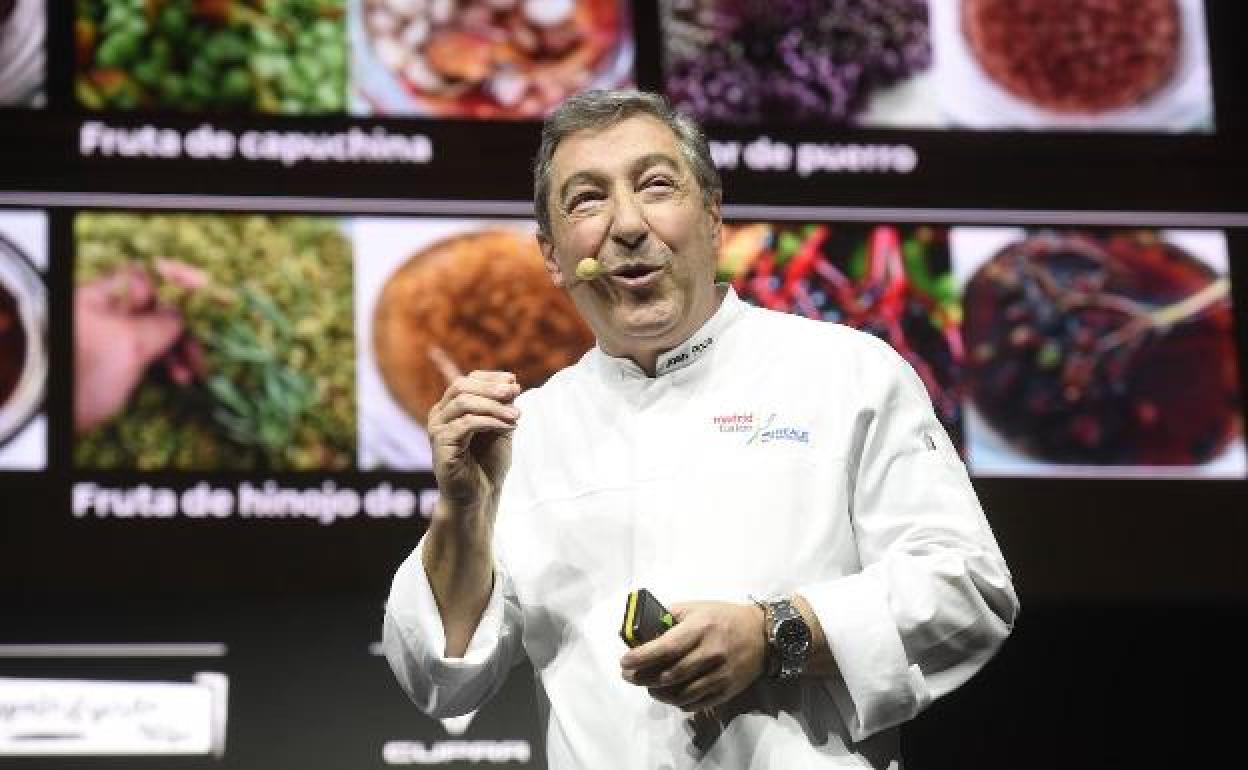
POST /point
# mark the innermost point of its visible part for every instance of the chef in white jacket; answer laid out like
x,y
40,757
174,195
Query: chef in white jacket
x,y
781,484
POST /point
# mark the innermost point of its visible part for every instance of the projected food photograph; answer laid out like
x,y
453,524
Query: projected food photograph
x,y
286,57
213,342
485,59
1132,65
23,339
806,61
1099,352
438,295
892,281
22,57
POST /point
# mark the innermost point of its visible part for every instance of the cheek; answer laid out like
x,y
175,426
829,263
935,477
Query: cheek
x,y
700,249
583,237
683,226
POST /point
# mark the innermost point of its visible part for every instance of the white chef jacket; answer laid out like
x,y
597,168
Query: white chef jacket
x,y
770,455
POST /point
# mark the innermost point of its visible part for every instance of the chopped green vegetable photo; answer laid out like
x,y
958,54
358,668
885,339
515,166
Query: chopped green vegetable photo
x,y
284,57
269,316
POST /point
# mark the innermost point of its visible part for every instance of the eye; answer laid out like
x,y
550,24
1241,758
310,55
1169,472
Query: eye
x,y
658,182
584,200
658,187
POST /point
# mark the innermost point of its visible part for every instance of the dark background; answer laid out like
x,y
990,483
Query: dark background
x,y
1125,654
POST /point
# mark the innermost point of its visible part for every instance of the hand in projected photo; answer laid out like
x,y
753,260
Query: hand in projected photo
x,y
120,329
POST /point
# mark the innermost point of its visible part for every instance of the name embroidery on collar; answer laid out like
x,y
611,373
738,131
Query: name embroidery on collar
x,y
683,356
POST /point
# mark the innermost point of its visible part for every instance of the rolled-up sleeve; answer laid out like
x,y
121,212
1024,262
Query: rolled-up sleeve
x,y
414,640
934,599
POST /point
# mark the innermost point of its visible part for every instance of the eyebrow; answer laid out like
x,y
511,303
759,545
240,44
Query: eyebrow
x,y
638,165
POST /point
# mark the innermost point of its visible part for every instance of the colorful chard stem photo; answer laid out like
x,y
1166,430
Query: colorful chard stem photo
x,y
892,281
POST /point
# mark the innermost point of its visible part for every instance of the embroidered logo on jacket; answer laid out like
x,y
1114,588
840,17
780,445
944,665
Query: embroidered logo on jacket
x,y
759,432
769,431
733,423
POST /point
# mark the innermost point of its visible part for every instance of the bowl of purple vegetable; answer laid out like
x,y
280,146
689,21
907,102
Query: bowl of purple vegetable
x,y
800,61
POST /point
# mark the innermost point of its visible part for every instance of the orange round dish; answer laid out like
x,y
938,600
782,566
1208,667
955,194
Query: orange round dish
x,y
1072,56
484,299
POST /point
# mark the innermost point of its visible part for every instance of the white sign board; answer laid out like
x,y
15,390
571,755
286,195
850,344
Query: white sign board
x,y
74,717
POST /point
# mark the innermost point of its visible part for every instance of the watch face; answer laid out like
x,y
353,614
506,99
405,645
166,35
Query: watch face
x,y
793,638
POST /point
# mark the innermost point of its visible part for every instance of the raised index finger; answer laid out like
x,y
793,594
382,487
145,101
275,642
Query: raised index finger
x,y
443,363
451,372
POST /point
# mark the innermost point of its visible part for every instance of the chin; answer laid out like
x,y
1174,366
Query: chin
x,y
648,322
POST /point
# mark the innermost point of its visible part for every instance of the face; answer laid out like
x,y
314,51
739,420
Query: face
x,y
626,197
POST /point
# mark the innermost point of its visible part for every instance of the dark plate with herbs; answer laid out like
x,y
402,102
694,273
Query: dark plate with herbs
x,y
23,340
1103,349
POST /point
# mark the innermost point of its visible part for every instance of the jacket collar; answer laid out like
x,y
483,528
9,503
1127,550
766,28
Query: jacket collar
x,y
688,354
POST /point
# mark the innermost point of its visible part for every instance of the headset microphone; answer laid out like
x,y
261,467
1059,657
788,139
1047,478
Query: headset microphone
x,y
589,268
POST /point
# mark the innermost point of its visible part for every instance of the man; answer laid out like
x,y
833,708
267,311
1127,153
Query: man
x,y
783,482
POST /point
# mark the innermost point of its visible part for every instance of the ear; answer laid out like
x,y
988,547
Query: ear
x,y
548,257
716,212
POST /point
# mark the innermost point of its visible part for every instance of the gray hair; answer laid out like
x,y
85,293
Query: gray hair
x,y
598,110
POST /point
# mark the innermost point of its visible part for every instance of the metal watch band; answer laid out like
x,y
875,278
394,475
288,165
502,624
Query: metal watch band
x,y
783,663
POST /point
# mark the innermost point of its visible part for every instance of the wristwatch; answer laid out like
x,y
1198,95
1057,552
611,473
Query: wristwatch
x,y
788,639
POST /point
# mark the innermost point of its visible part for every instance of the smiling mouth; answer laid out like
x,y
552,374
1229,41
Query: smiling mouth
x,y
636,276
634,271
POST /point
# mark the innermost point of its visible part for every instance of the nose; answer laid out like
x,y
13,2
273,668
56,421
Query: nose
x,y
628,222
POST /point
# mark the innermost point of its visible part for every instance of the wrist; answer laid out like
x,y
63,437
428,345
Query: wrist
x,y
464,518
758,632
788,638
460,533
